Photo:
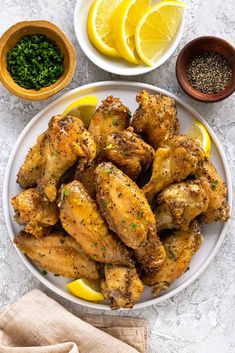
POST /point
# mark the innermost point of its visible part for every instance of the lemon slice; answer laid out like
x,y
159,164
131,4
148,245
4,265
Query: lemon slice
x,y
82,108
83,288
125,18
99,26
199,132
157,28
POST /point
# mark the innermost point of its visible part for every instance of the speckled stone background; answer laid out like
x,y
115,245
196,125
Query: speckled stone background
x,y
201,318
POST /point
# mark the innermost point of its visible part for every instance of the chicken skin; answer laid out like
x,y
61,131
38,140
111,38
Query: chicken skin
x,y
179,157
111,116
34,213
180,247
58,253
156,118
81,219
180,203
62,144
86,175
129,152
128,214
122,286
218,208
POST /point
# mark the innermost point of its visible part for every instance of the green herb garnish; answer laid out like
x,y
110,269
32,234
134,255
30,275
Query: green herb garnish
x,y
171,254
115,122
134,226
139,214
66,192
214,184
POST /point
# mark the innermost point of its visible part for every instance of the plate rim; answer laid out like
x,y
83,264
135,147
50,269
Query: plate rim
x,y
6,204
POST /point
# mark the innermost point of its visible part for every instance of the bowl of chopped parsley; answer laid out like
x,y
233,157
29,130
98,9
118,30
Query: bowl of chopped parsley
x,y
36,60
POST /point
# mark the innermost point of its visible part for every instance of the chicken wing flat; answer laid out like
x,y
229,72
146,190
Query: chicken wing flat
x,y
180,247
58,253
122,286
156,118
80,217
111,116
34,213
129,152
179,157
180,203
218,208
128,213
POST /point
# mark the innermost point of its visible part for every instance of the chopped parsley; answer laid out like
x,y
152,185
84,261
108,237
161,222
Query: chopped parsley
x,y
139,214
115,122
108,170
171,254
214,184
65,192
134,226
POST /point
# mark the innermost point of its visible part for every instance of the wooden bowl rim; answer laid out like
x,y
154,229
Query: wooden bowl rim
x,y
48,91
193,93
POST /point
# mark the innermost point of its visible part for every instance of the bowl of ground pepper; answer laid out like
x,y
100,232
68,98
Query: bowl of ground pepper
x,y
205,69
36,60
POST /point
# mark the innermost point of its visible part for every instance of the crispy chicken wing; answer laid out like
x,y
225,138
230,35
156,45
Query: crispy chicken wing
x,y
128,213
129,152
81,218
173,162
111,116
34,213
156,118
218,208
122,286
180,247
86,175
180,203
58,253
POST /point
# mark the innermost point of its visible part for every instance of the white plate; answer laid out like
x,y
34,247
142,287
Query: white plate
x,y
116,66
213,234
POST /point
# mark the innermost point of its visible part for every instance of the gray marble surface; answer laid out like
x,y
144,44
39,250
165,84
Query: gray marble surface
x,y
201,318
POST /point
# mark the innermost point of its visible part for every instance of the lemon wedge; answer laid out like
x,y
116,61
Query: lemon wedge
x,y
99,26
199,132
82,108
156,29
125,18
83,288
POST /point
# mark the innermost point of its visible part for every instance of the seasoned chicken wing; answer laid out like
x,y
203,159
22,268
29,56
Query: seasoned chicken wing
x,y
180,203
128,213
122,286
111,116
129,152
180,247
62,144
58,253
86,175
34,213
218,208
81,219
156,118
173,162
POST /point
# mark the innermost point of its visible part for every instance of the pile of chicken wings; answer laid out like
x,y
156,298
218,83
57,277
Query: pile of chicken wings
x,y
122,201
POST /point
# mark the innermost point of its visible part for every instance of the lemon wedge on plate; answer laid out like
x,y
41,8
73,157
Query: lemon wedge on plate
x,y
156,29
83,288
82,108
99,26
125,18
199,132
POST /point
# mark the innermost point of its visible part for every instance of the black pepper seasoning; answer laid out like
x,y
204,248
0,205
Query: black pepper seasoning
x,y
209,72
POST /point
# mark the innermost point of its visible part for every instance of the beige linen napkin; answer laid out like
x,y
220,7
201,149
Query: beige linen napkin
x,y
38,324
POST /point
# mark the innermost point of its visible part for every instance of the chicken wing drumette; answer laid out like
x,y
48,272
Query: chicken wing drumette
x,y
156,118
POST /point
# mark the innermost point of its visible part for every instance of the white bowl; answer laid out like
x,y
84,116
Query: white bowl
x,y
115,66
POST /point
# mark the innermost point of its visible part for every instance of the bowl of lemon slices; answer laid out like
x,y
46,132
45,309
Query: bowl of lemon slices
x,y
129,37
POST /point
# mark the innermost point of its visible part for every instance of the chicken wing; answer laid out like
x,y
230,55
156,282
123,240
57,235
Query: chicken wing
x,y
218,208
180,203
122,286
86,175
129,152
180,247
81,219
128,213
156,118
58,253
178,158
34,213
111,116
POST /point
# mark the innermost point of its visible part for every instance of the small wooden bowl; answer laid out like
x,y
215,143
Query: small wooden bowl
x,y
197,47
10,38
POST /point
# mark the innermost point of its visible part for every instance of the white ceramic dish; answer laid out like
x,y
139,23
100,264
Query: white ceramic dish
x,y
213,234
115,66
